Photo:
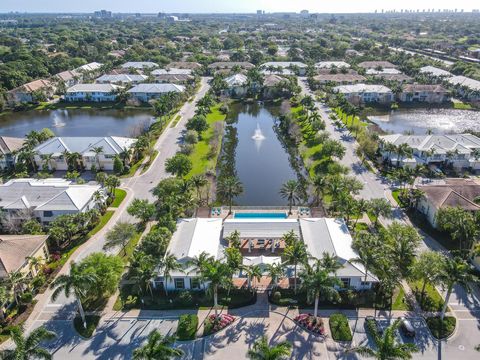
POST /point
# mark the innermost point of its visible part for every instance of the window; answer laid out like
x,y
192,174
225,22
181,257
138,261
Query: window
x,y
195,283
261,241
365,283
47,213
345,282
179,283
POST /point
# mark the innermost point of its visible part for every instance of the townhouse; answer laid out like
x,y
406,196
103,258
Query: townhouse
x,y
96,152
280,66
364,93
8,147
31,92
147,92
432,94
139,65
121,79
92,92
237,85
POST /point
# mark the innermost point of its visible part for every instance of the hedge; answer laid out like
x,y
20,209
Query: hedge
x,y
187,327
339,328
438,331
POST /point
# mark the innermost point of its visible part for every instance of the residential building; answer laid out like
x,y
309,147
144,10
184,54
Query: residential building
x,y
300,67
272,85
332,65
435,72
8,147
173,75
52,153
376,65
364,93
383,71
458,150
147,92
29,93
339,79
261,243
184,65
229,65
400,78
172,71
432,94
69,78
121,79
236,85
469,88
451,193
92,92
47,198
15,250
140,65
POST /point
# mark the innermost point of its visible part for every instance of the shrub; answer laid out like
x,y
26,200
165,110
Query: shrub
x,y
224,109
118,165
191,137
276,296
339,328
438,331
187,327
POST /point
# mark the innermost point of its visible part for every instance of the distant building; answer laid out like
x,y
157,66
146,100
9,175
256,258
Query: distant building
x,y
27,93
435,72
300,67
184,65
377,65
467,87
103,14
140,65
121,79
332,65
237,85
339,79
432,94
8,147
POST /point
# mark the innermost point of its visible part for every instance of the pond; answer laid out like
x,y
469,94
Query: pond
x,y
419,121
76,122
262,163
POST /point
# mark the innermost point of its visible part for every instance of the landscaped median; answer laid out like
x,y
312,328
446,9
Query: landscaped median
x,y
441,330
187,327
339,328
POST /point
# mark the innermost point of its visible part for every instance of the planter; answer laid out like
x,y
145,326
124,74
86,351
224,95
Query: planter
x,y
214,323
311,323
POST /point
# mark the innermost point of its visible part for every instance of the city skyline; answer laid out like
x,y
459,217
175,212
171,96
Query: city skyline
x,y
218,6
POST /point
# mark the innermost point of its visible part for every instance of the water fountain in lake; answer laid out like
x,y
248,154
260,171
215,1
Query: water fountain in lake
x,y
258,137
57,122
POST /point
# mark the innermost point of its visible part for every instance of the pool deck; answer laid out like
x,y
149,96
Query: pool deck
x,y
222,212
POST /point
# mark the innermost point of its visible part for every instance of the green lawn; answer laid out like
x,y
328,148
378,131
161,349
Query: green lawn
x,y
461,106
103,220
396,194
126,253
119,196
175,122
149,162
199,157
432,300
92,322
399,301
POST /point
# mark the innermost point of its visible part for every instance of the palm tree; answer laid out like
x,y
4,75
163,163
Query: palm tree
x,y
73,159
275,271
262,350
77,282
385,346
197,265
198,182
389,148
97,150
218,274
34,263
229,188
319,283
254,272
294,254
28,347
169,264
157,347
290,191
143,272
319,183
456,271
330,263
16,282
47,158
403,150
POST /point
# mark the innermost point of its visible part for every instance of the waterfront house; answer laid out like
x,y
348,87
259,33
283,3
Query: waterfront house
x,y
147,92
69,77
261,243
466,87
237,85
47,198
15,250
272,86
52,154
31,92
8,147
364,93
432,94
121,79
92,92
457,150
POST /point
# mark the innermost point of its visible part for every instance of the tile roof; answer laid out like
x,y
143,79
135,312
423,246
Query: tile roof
x,y
331,64
14,249
184,65
260,228
361,88
122,78
463,143
10,144
427,88
139,64
112,145
156,88
453,195
284,64
88,88
465,81
434,71
236,80
374,64
231,64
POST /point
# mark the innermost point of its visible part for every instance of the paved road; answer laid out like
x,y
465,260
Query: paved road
x,y
138,187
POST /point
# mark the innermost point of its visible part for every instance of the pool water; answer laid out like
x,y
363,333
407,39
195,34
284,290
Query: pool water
x,y
259,215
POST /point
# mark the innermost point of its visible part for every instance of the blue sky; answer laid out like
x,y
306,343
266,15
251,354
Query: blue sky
x,y
197,6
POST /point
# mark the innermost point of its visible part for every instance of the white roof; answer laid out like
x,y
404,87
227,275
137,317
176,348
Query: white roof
x,y
465,81
90,66
111,145
139,64
361,88
236,80
261,260
284,64
88,88
331,64
432,70
124,78
157,88
327,235
260,228
194,236
463,143
172,71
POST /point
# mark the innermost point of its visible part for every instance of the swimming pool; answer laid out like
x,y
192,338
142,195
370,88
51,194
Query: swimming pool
x,y
260,215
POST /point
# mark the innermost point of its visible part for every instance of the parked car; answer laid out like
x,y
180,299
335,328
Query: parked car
x,y
375,322
406,327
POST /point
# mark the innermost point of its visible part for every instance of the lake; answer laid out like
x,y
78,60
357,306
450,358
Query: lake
x,y
262,164
76,122
440,121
